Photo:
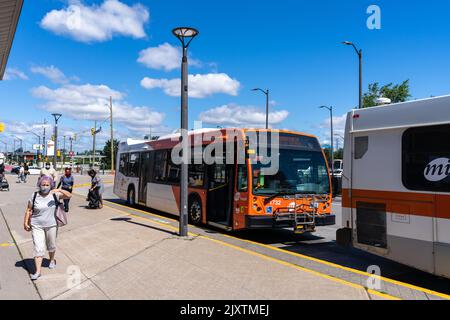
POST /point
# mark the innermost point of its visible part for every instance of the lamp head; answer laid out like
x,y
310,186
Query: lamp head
x,y
185,35
348,43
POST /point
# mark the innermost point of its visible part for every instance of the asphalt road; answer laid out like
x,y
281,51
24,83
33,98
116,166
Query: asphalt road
x,y
322,245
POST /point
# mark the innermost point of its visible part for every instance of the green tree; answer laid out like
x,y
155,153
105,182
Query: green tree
x,y
397,93
107,153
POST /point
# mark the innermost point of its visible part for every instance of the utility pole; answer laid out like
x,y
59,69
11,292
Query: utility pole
x,y
112,134
93,143
44,142
64,150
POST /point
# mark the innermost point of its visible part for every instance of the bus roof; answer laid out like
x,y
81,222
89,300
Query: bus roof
x,y
170,140
416,113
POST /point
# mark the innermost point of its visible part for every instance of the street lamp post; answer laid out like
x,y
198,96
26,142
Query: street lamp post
x,y
332,135
359,53
185,35
56,116
6,149
39,138
266,92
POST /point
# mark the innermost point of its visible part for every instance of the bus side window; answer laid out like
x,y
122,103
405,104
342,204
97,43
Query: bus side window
x,y
133,165
361,147
242,178
159,172
173,171
196,175
123,164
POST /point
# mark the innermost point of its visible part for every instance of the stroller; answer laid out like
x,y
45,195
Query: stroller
x,y
94,199
4,185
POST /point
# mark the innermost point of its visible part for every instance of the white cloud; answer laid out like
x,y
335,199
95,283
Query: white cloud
x,y
12,74
97,23
91,102
200,85
164,57
338,128
235,115
52,73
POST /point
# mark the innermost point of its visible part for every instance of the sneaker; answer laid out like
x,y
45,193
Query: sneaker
x,y
35,276
52,264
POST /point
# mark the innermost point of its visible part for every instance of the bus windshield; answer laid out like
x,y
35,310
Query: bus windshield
x,y
300,172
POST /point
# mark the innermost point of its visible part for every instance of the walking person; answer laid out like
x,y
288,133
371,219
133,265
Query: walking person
x,y
21,174
66,183
40,219
48,171
95,196
26,172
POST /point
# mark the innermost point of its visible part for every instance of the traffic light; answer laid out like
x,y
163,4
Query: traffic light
x,y
93,131
2,127
58,153
53,138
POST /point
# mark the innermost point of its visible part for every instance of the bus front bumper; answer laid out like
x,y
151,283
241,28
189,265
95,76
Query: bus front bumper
x,y
268,222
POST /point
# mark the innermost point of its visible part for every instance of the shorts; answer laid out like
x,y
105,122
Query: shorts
x,y
44,238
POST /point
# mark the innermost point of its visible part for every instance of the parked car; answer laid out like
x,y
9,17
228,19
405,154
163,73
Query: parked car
x,y
15,170
34,170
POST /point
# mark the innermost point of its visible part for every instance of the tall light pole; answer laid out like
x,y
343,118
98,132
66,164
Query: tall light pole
x,y
94,133
266,92
112,133
359,53
39,138
44,142
21,146
185,35
331,135
6,149
56,116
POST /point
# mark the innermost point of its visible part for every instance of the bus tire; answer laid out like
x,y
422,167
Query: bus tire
x,y
195,210
131,198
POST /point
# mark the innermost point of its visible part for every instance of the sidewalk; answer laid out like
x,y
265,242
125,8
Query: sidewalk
x,y
117,256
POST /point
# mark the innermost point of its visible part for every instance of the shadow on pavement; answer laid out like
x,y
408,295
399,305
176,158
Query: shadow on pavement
x,y
129,220
29,266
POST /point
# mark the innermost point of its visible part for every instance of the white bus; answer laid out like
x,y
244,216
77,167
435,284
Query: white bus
x,y
396,183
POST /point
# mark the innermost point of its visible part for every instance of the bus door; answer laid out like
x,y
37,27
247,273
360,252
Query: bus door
x,y
220,194
144,178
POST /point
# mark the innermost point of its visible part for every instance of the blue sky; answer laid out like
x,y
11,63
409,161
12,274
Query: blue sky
x,y
291,47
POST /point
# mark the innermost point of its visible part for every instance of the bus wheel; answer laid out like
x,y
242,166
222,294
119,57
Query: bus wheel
x,y
195,211
131,199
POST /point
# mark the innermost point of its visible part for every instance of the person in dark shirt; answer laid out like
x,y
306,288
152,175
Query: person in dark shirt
x,y
66,183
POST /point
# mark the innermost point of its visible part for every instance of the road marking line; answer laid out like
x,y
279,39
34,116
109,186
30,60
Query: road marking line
x,y
331,264
88,184
383,295
357,286
6,244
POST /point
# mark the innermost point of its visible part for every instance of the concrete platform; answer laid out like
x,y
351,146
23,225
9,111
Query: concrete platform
x,y
108,254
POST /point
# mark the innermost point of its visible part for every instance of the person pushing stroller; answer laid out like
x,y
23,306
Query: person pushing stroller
x,y
96,191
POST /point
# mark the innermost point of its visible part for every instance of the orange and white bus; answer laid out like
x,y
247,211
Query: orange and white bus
x,y
396,183
232,195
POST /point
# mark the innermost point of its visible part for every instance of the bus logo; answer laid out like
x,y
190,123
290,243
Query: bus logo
x,y
437,170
